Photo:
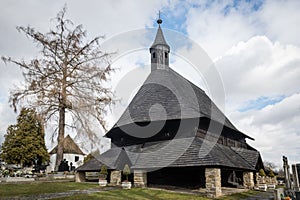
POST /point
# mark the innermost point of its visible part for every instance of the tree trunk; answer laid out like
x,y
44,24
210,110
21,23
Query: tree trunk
x,y
60,138
62,119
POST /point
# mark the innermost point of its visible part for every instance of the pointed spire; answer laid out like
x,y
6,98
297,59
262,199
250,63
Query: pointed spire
x,y
159,39
159,50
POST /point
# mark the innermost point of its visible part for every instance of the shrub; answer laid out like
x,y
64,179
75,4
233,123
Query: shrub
x,y
103,172
126,171
261,172
271,174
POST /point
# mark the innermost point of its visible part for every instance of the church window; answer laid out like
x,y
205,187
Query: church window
x,y
153,55
76,158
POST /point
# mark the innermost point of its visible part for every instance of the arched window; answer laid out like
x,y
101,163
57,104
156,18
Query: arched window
x,y
153,55
166,55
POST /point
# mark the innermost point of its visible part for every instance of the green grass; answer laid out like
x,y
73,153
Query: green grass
x,y
239,196
136,194
150,194
20,190
9,190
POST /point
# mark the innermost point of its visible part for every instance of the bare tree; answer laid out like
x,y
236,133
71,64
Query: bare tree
x,y
67,77
270,165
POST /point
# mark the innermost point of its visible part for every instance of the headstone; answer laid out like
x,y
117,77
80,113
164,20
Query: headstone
x,y
297,195
298,171
278,193
63,166
287,177
295,178
72,168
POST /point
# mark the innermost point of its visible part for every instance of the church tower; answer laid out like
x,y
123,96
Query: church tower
x,y
159,51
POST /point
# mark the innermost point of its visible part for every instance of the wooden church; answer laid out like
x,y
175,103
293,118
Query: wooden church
x,y
172,133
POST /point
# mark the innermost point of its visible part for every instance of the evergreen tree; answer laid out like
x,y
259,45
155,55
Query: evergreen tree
x,y
126,171
261,172
24,141
103,172
271,173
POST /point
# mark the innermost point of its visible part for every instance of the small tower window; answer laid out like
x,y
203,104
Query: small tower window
x,y
166,55
153,55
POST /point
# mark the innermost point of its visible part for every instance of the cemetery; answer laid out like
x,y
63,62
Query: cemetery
x,y
229,166
175,138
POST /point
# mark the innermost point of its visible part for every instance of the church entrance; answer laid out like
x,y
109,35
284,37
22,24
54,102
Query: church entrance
x,y
187,177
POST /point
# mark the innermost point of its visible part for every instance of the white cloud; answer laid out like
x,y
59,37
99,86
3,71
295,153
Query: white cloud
x,y
219,25
7,118
275,129
261,67
280,20
98,18
217,32
257,52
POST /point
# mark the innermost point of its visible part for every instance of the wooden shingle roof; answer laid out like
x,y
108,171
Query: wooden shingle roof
x,y
159,39
114,158
179,98
69,146
183,152
93,165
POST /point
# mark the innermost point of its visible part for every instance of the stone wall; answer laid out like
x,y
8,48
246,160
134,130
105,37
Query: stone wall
x,y
271,180
115,177
248,180
140,178
213,182
265,180
80,177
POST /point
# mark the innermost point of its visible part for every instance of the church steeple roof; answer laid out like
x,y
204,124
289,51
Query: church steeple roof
x,y
159,51
159,39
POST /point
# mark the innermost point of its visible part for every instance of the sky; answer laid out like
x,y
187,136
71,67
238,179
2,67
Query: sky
x,y
254,46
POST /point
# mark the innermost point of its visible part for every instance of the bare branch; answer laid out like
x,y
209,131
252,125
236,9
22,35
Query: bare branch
x,y
68,75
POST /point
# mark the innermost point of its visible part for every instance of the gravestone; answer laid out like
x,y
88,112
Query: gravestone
x,y
297,192
295,178
63,166
287,177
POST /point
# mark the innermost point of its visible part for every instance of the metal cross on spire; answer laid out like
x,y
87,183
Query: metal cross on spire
x,y
159,21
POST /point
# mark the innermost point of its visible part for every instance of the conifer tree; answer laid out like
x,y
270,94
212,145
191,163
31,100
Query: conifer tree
x,y
24,142
126,171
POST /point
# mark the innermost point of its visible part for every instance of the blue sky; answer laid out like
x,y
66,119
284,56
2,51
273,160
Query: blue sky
x,y
260,103
254,45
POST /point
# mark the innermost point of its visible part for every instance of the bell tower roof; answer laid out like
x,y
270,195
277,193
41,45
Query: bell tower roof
x,y
159,50
159,39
